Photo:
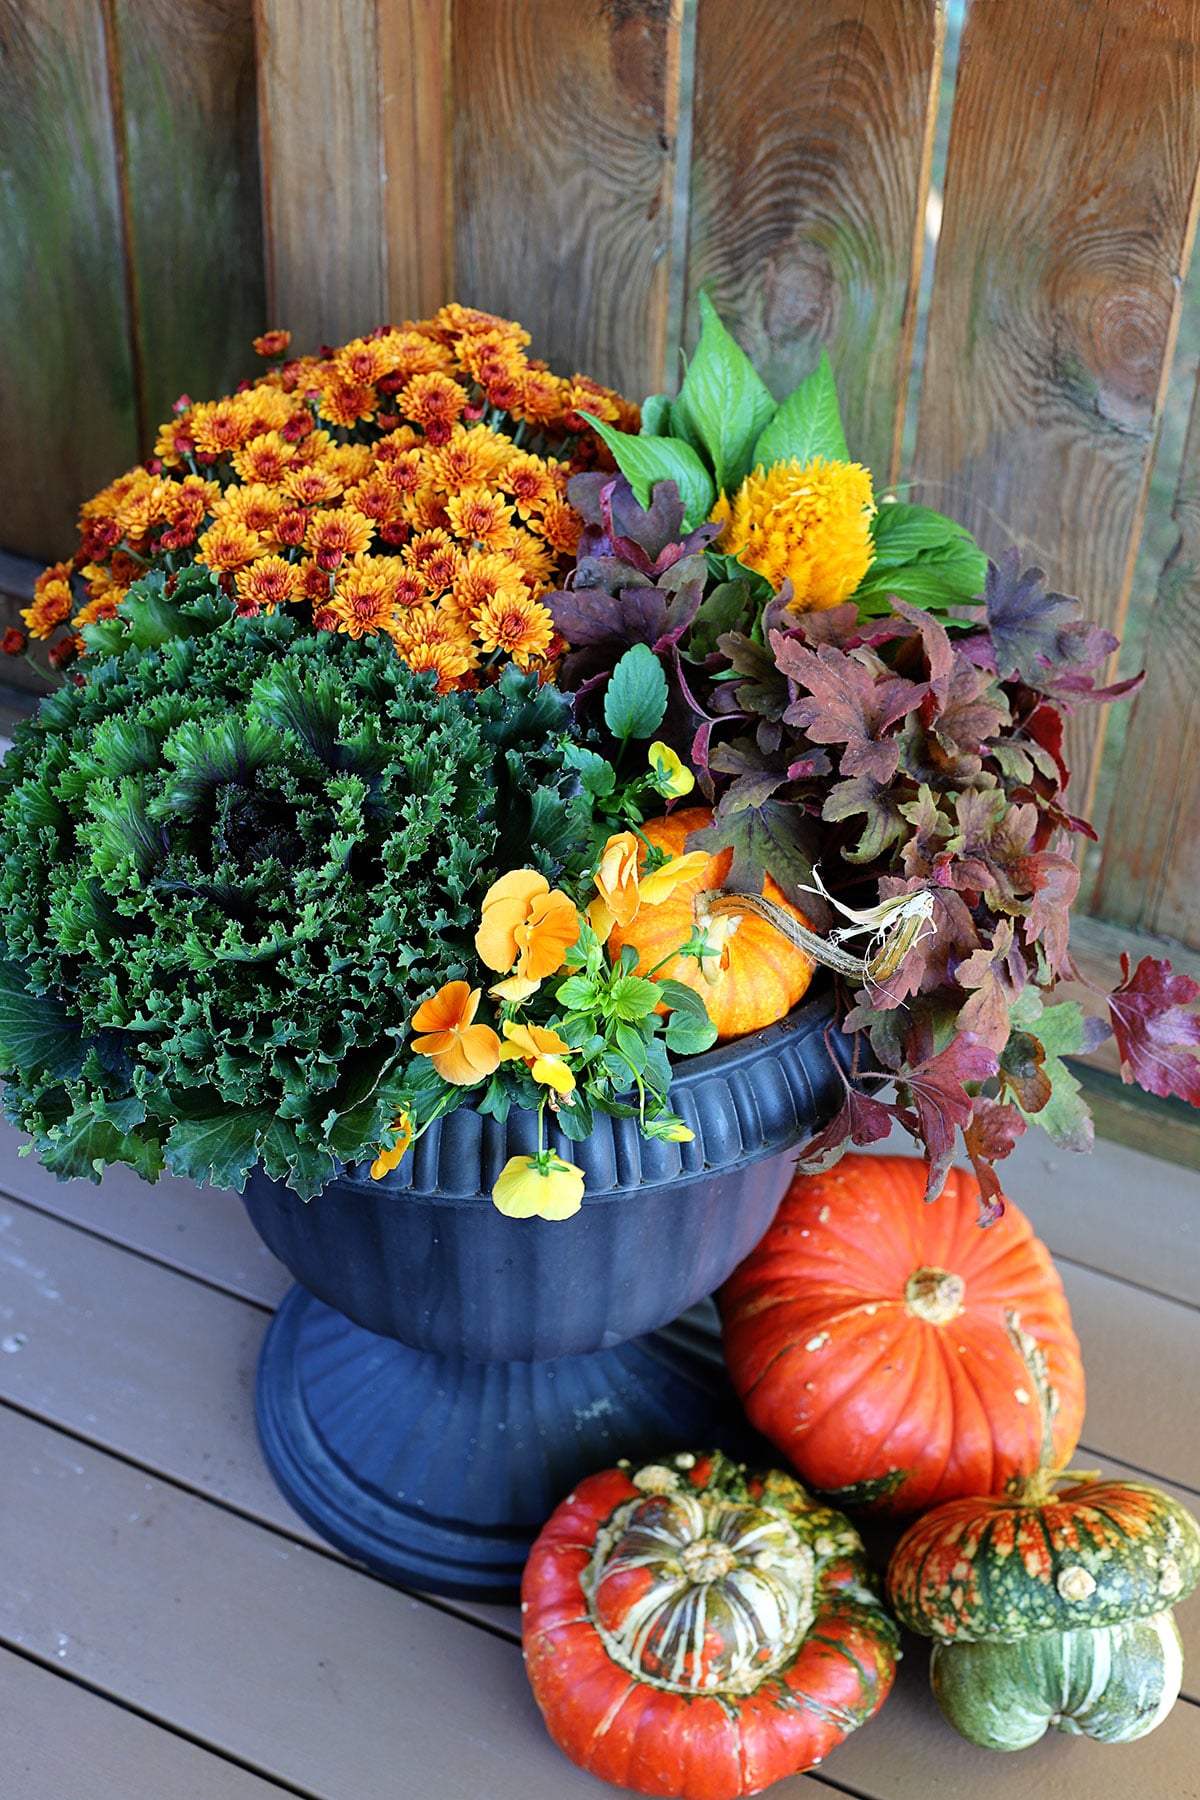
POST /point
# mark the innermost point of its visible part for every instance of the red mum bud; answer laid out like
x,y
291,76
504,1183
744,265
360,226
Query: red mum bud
x,y
61,654
182,405
13,642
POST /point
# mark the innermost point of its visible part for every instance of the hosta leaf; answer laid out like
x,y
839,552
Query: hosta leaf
x,y
723,404
645,461
807,424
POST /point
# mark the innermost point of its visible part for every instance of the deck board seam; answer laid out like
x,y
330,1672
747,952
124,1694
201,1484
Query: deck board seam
x,y
217,1285
435,1602
1088,1450
214,1283
50,1667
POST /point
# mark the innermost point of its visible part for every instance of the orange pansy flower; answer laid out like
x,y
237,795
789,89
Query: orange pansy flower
x,y
461,1051
527,925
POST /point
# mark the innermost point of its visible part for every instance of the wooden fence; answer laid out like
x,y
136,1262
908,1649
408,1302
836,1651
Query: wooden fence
x,y
177,174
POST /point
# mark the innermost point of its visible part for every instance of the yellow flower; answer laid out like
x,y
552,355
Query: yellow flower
x,y
678,1133
526,926
516,989
542,1051
809,524
670,777
387,1160
541,1186
622,888
461,1052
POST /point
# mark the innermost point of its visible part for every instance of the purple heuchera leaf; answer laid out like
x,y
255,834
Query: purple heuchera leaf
x,y
1040,638
1154,1034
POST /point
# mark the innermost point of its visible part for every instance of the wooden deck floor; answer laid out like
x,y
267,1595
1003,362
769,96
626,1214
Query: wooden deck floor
x,y
169,1630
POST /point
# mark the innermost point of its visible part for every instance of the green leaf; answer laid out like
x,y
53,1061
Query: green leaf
x,y
644,461
218,1145
807,424
596,774
922,557
36,1031
901,532
723,404
726,608
688,1036
85,1144
1061,1030
635,700
633,997
656,416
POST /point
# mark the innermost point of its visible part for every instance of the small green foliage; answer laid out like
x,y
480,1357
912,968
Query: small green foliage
x,y
635,699
723,404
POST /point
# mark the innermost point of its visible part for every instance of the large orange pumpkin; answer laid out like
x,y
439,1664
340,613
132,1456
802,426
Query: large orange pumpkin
x,y
757,977
882,1343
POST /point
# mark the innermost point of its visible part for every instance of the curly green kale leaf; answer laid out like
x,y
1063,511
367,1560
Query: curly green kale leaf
x,y
234,861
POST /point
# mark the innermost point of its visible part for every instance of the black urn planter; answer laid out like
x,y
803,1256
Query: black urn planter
x,y
443,1374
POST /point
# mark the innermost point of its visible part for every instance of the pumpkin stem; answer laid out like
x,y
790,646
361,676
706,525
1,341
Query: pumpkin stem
x,y
798,935
935,1295
1035,1489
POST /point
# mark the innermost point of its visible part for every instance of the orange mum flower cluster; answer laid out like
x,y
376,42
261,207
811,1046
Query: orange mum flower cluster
x,y
412,482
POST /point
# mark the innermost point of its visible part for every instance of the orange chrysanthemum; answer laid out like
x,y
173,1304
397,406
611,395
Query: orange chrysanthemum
x,y
346,402
485,576
264,458
365,360
808,523
334,535
267,583
518,625
228,544
52,604
529,482
461,1051
218,426
256,506
312,484
468,459
273,343
560,525
434,402
364,597
481,517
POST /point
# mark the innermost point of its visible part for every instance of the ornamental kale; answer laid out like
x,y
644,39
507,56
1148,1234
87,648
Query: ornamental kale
x,y
235,856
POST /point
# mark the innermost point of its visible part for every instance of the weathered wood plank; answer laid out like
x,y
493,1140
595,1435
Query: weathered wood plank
x,y
297,1665
414,68
564,127
195,207
1150,867
1080,1206
67,412
812,137
321,149
201,1231
58,1741
160,1368
1068,221
909,1753
1140,1353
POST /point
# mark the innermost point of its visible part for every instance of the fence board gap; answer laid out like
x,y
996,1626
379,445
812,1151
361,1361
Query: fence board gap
x,y
1150,863
1055,300
810,166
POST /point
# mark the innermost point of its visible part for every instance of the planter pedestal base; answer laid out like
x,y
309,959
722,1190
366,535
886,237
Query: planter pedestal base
x,y
438,1473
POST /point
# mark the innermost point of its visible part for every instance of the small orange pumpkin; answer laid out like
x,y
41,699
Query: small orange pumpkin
x,y
758,975
882,1342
